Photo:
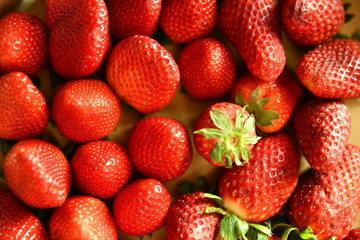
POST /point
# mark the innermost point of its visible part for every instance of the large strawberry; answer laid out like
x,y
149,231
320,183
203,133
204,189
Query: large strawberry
x,y
23,108
160,148
143,73
38,173
354,234
55,10
253,27
85,110
332,69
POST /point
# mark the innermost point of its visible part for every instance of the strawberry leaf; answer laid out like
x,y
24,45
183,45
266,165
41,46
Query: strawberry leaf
x,y
265,118
218,200
221,120
348,17
346,6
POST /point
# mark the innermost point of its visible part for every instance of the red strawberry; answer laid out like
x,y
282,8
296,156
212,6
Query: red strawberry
x,y
225,133
82,218
55,10
322,129
18,222
332,69
207,69
311,22
101,168
272,103
23,44
129,17
187,20
38,173
143,73
23,108
354,234
85,110
141,207
160,148
253,27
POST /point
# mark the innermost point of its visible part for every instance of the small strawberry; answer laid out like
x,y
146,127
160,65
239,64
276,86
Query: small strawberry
x,y
23,44
332,69
101,168
82,218
141,207
354,234
207,69
143,73
23,109
85,110
38,173
160,148
322,129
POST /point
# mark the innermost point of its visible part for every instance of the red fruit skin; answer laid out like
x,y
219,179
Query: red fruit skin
x,y
187,220
187,20
331,70
160,148
85,110
207,69
129,17
253,27
23,44
17,222
309,23
141,207
354,234
101,168
55,10
259,189
82,218
328,202
23,109
38,173
142,73
322,129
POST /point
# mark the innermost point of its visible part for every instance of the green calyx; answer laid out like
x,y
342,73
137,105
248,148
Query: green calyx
x,y
291,232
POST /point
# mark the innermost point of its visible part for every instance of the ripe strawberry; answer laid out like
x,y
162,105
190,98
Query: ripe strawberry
x,y
311,22
207,69
18,222
328,202
82,218
141,207
224,134
80,38
55,10
85,110
253,27
272,103
187,20
143,73
101,168
354,234
160,148
129,17
23,44
322,129
38,173
332,69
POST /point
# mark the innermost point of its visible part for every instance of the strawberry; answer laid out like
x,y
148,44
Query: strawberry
x,y
311,22
187,20
80,38
141,207
17,221
272,103
253,27
23,44
354,234
207,69
224,134
322,129
129,17
101,168
82,217
331,70
328,202
38,173
143,73
85,110
23,109
160,148
55,10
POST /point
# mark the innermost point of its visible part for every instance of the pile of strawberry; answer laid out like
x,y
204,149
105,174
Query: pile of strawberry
x,y
109,56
